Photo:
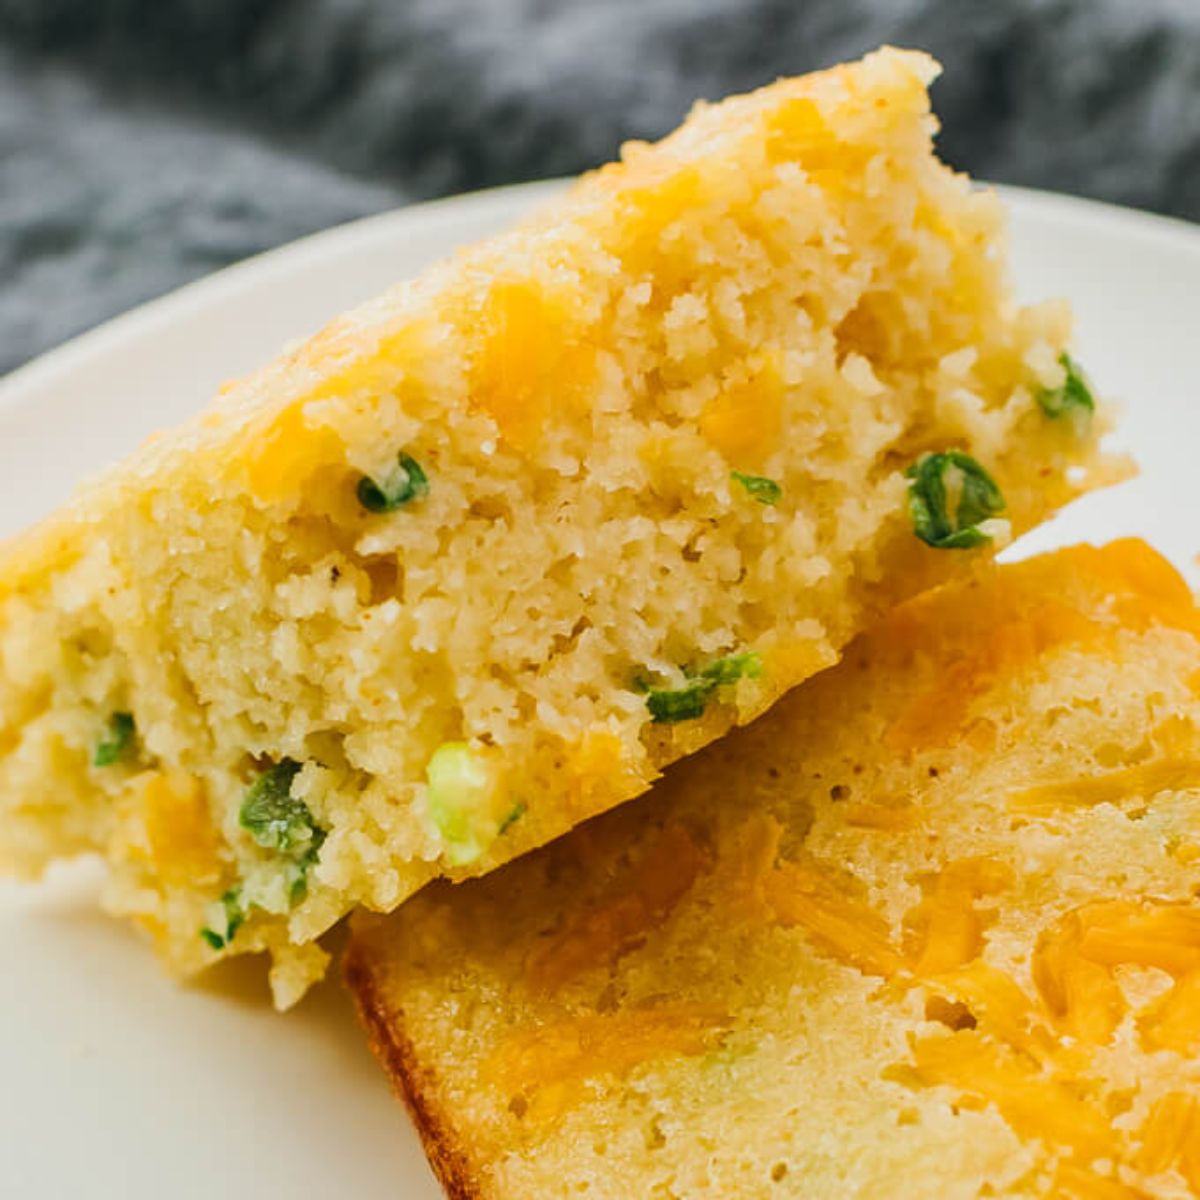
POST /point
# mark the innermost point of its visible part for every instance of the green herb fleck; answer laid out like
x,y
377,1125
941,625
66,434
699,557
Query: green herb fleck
x,y
680,704
404,482
731,668
668,706
225,919
952,500
1073,398
765,491
277,820
117,741
517,811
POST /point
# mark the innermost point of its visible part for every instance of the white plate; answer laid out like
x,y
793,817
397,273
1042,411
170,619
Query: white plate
x,y
117,1083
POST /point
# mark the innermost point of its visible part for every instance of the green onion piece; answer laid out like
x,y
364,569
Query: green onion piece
x,y
669,706
1073,398
275,819
952,501
406,481
680,704
515,814
225,918
462,799
117,741
731,668
765,491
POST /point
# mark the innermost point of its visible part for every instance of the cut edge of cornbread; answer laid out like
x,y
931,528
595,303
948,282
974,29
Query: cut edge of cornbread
x,y
478,560
938,909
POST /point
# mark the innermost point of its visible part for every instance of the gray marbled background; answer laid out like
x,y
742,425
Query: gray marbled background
x,y
146,142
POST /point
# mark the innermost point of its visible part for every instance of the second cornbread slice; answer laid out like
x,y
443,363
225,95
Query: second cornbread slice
x,y
930,929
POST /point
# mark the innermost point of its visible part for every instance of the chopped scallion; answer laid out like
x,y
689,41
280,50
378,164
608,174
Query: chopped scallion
x,y
406,481
765,491
670,705
225,918
952,501
1073,397
277,820
116,741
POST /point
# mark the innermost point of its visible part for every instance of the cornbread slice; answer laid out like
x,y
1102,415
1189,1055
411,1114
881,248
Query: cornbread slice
x,y
481,558
931,928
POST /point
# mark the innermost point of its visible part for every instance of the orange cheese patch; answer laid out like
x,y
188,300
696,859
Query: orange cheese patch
x,y
182,840
1171,1138
287,453
652,209
998,1002
532,362
1173,1021
395,359
747,859
1082,1183
1109,787
798,132
946,929
1080,995
935,715
984,635
1038,1082
838,924
639,901
545,1070
744,421
1074,965
892,817
1036,1106
599,769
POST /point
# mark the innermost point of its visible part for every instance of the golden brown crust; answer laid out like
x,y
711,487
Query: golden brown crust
x,y
412,1082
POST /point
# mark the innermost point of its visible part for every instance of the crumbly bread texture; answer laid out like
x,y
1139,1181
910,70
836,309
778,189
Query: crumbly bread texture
x,y
478,560
930,928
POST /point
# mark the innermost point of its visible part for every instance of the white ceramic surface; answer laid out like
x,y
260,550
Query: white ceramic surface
x,y
115,1082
